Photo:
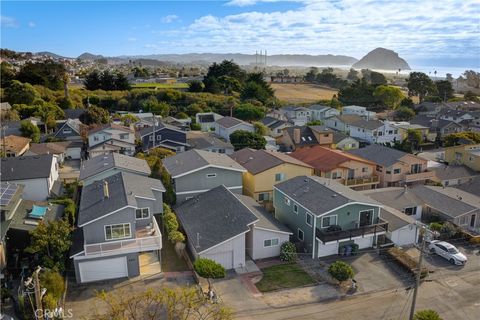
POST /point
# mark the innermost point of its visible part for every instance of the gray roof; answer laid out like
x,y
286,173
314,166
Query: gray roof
x,y
306,135
382,155
208,224
395,218
122,189
319,107
339,136
265,219
108,161
368,124
26,167
206,118
398,198
454,172
74,113
149,130
194,159
321,195
472,187
204,140
228,122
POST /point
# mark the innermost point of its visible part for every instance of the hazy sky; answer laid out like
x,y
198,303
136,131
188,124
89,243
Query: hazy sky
x,y
440,30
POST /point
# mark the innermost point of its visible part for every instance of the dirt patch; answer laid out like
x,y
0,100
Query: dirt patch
x,y
302,92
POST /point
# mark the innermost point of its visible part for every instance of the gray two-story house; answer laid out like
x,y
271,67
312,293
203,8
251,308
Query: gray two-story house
x,y
163,135
327,217
116,225
197,171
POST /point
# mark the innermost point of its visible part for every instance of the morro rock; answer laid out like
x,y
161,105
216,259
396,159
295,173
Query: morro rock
x,y
382,59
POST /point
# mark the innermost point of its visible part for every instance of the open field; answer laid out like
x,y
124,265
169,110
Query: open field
x,y
161,85
301,92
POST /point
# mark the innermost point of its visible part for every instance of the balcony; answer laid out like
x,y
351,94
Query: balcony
x,y
421,176
328,236
355,182
146,239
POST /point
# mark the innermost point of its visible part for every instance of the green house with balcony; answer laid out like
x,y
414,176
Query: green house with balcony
x,y
326,216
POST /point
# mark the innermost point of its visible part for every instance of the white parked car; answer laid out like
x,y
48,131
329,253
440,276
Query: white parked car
x,y
447,251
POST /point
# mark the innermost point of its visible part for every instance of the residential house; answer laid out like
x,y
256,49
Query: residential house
x,y
265,169
14,146
376,131
271,144
298,116
69,129
207,120
101,167
404,128
63,150
326,216
197,171
163,135
225,126
344,142
116,226
453,175
342,122
456,116
111,138
275,126
402,229
208,141
230,234
37,173
321,113
299,137
437,127
431,109
76,113
466,154
402,199
343,167
472,187
182,124
359,111
395,167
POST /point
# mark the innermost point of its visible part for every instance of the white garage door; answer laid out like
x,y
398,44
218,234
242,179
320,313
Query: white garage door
x,y
224,258
103,269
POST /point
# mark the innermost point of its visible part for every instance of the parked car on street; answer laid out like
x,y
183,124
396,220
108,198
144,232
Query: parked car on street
x,y
447,251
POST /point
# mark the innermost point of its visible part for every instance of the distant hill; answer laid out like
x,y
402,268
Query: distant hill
x,y
89,56
51,54
382,59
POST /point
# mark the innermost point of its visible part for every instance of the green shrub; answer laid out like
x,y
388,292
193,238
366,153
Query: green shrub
x,y
448,230
427,315
435,226
341,270
209,269
195,126
176,236
288,252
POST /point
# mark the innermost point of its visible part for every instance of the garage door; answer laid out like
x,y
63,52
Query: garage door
x,y
224,258
103,269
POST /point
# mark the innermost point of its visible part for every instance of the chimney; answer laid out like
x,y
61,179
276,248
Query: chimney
x,y
296,135
106,194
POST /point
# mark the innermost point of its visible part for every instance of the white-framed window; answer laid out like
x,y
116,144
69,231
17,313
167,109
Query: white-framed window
x,y
410,211
151,138
396,171
308,218
287,201
365,169
117,231
211,175
300,234
67,130
95,138
270,242
463,220
279,176
265,196
329,221
188,198
295,208
142,213
159,137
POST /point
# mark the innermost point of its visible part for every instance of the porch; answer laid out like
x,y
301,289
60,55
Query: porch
x,y
326,236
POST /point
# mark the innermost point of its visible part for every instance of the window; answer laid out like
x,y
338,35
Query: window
x,y
326,135
67,130
270,242
151,138
124,136
295,208
263,196
410,211
388,172
390,132
447,183
159,137
329,221
117,231
395,131
221,150
95,138
336,175
308,218
365,169
211,175
300,234
380,133
366,218
462,220
378,168
396,171
279,177
142,213
287,201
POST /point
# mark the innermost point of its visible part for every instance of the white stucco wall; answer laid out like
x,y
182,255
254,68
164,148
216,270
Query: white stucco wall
x,y
404,236
256,250
237,245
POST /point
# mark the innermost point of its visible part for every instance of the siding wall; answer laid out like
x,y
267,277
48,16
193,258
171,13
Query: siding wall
x,y
257,250
166,134
236,244
95,231
106,174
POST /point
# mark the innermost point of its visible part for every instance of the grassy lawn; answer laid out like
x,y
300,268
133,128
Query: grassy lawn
x,y
283,276
161,85
302,92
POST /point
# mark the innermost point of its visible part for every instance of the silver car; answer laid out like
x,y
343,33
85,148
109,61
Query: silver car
x,y
447,251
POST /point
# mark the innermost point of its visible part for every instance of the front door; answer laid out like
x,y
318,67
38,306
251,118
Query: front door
x,y
472,220
366,218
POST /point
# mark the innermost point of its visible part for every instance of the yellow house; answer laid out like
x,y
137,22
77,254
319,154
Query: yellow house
x,y
466,154
265,169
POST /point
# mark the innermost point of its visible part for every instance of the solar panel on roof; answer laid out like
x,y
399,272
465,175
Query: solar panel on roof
x,y
7,190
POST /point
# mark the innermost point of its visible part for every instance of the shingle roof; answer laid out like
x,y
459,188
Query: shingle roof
x,y
49,147
339,136
382,155
349,118
203,140
229,122
265,219
318,107
454,172
206,118
194,159
14,143
320,195
398,198
122,189
110,126
105,162
325,159
367,124
208,224
26,167
256,161
396,219
472,187
160,126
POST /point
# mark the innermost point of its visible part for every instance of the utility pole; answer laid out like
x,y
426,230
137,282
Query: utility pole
x,y
38,294
4,128
419,273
